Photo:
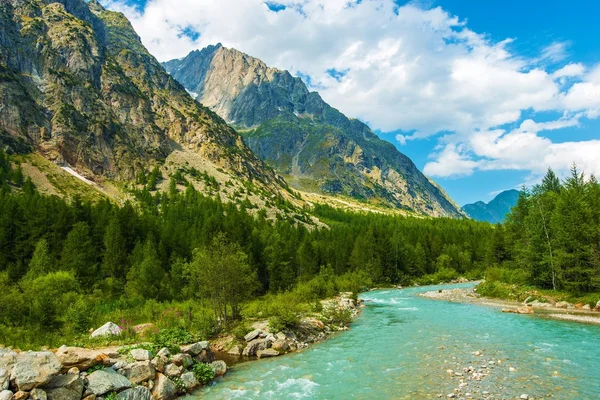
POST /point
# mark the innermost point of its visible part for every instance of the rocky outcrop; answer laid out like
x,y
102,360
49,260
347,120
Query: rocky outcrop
x,y
311,143
78,86
72,373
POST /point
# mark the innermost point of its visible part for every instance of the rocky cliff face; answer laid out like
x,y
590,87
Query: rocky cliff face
x,y
77,85
312,144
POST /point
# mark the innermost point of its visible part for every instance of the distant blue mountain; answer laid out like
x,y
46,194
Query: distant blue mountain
x,y
495,210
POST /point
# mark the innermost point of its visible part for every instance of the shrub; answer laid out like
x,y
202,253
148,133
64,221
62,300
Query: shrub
x,y
203,373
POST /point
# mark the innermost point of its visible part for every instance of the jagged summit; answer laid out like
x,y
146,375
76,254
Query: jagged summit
x,y
313,145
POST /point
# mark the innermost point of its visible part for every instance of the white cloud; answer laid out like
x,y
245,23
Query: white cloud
x,y
406,68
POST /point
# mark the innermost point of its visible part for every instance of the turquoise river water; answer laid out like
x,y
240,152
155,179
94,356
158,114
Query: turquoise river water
x,y
402,347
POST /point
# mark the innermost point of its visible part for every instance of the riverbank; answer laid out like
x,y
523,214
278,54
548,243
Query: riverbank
x,y
161,371
562,310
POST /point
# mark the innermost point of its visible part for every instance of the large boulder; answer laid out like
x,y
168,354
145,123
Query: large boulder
x,y
252,335
34,369
4,379
164,388
267,353
108,329
195,348
281,346
190,381
141,354
105,381
136,393
235,350
183,360
7,361
172,370
219,367
79,357
6,395
65,387
140,371
206,356
252,347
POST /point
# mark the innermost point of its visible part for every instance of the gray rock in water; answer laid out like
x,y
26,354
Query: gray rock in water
x,y
107,380
65,387
141,354
164,388
34,369
4,379
190,381
252,335
267,353
252,347
6,395
108,329
195,348
140,371
137,393
219,367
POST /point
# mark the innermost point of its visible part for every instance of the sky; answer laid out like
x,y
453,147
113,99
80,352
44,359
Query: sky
x,y
483,96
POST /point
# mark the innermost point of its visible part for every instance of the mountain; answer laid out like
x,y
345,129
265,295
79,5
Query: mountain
x,y
495,210
78,87
313,145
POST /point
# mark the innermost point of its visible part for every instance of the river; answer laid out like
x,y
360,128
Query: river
x,y
406,347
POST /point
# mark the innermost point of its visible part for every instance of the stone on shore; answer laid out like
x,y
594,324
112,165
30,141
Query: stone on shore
x,y
173,370
4,379
136,393
21,395
183,360
586,307
219,367
267,353
141,354
6,395
108,329
140,371
65,387
38,394
78,357
252,347
597,308
105,381
562,304
195,348
519,310
164,388
236,350
190,381
34,369
252,335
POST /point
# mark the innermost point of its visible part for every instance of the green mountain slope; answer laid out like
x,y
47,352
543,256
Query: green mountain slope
x,y
495,210
78,86
313,145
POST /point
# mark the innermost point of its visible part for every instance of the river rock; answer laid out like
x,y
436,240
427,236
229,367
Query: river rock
x,y
219,367
164,352
141,355
267,353
78,357
4,379
252,347
252,335
195,348
235,350
164,388
206,356
65,387
586,307
21,395
107,380
38,394
6,395
172,370
136,393
281,346
183,360
190,381
597,308
562,304
140,371
160,362
108,329
34,369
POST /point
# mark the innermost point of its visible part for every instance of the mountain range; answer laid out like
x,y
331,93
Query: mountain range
x,y
313,145
79,89
494,211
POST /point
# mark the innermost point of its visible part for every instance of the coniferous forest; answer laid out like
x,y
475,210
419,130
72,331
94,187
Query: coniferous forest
x,y
68,266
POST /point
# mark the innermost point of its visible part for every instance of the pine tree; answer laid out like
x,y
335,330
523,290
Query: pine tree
x,y
145,278
79,255
41,262
114,262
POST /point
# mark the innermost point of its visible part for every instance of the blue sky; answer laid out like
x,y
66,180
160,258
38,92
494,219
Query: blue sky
x,y
482,95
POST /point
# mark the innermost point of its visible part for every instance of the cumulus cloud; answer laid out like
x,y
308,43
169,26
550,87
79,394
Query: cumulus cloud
x,y
410,68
